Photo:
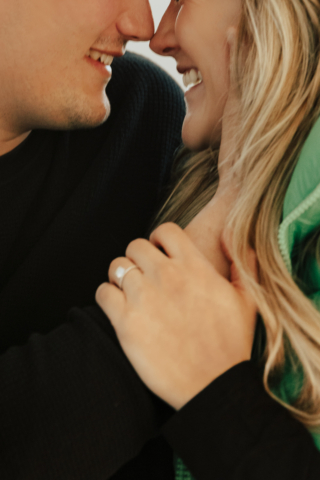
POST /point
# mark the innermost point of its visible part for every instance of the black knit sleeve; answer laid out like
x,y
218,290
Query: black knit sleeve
x,y
233,430
71,406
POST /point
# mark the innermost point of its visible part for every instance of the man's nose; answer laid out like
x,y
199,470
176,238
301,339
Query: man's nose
x,y
136,21
164,41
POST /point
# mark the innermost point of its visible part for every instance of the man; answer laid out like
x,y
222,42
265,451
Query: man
x,y
72,198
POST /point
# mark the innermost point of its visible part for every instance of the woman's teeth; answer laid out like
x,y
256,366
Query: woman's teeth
x,y
191,78
102,57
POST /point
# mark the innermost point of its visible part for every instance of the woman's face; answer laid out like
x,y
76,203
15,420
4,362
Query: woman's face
x,y
195,33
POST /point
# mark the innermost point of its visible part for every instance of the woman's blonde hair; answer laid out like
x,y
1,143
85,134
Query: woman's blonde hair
x,y
276,67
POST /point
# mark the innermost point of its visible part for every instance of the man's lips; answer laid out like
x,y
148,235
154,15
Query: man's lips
x,y
106,70
100,56
101,60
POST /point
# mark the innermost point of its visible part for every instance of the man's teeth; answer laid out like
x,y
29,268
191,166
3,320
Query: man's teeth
x,y
191,77
103,57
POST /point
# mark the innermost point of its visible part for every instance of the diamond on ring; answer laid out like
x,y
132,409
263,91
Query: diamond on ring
x,y
121,272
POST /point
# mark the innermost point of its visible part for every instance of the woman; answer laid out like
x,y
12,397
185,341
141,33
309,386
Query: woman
x,y
187,325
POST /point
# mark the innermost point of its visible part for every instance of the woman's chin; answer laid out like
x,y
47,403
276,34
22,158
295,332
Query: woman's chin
x,y
192,136
198,136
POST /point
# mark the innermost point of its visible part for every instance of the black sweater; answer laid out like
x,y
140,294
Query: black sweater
x,y
71,406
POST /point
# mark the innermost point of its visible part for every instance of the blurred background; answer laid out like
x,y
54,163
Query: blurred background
x,y
167,63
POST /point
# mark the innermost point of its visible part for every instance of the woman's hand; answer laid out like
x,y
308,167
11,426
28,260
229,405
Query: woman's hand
x,y
180,323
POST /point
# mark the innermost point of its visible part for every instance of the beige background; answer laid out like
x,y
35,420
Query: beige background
x,y
169,64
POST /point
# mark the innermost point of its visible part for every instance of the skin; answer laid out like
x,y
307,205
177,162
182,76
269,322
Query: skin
x,y
213,24
180,323
46,80
183,317
195,33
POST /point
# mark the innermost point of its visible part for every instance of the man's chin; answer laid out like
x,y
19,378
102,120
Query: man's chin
x,y
88,118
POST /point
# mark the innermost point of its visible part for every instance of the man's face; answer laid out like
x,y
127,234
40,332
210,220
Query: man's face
x,y
46,78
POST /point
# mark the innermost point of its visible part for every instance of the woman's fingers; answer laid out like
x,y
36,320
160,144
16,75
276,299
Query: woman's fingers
x,y
167,242
125,274
112,301
144,254
203,322
145,259
174,242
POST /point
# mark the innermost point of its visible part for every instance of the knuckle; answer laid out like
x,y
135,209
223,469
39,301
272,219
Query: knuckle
x,y
166,228
161,229
134,245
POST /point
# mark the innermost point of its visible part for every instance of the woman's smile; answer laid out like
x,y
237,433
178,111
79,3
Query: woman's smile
x,y
204,63
192,78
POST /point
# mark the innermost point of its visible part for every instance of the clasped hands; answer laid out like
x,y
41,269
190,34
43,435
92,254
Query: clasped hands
x,y
183,317
180,323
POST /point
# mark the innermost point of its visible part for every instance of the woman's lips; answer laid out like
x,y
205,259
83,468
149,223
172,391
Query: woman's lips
x,y
194,88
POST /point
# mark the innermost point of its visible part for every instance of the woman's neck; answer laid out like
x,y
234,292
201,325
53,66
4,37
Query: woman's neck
x,y
207,228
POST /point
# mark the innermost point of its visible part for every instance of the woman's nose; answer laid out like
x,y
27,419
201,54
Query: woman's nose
x,y
164,41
